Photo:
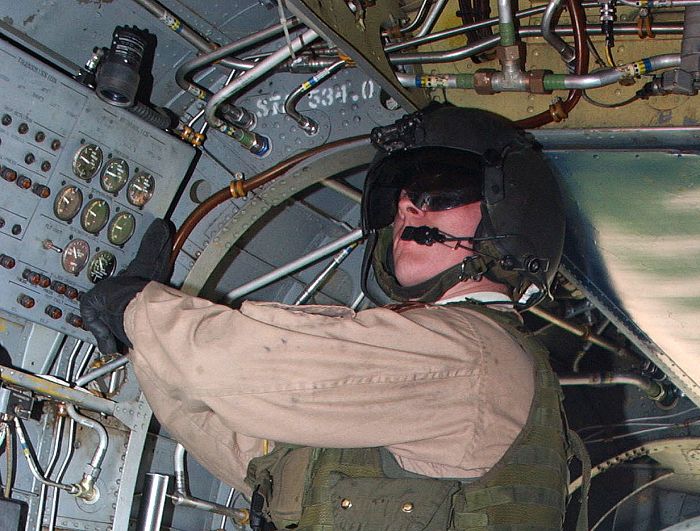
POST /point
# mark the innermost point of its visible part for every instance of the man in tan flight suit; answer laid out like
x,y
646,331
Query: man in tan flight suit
x,y
443,386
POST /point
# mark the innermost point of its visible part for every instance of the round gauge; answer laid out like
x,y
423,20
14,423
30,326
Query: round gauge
x,y
101,266
87,161
121,228
115,175
75,256
141,189
67,203
95,215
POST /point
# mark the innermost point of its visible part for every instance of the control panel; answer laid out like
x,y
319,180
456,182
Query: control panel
x,y
80,181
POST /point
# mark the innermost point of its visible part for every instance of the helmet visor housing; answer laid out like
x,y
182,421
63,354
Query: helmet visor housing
x,y
433,178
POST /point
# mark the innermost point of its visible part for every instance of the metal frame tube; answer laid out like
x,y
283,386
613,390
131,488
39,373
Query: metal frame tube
x,y
55,390
53,457
295,265
88,491
153,502
323,275
418,20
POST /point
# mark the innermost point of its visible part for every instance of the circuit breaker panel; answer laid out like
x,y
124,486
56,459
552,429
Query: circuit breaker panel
x,y
81,181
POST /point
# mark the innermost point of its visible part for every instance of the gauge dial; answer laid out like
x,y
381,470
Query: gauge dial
x,y
121,228
67,203
87,161
101,266
115,175
141,189
95,215
75,256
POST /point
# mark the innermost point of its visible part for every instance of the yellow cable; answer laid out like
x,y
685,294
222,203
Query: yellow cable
x,y
609,57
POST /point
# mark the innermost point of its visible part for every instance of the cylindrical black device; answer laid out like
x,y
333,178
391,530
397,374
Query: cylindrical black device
x,y
118,73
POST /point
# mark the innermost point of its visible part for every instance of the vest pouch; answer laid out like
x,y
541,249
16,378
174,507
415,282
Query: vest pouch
x,y
390,504
285,469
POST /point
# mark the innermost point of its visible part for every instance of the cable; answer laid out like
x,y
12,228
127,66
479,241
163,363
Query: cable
x,y
630,495
629,422
609,105
632,434
609,57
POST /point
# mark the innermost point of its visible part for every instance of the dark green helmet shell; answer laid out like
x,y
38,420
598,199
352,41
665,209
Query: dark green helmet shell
x,y
521,204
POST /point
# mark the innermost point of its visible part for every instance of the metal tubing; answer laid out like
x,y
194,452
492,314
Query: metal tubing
x,y
660,3
323,275
295,265
102,371
343,189
103,439
567,52
507,35
238,515
651,388
153,502
55,390
433,15
262,68
59,474
53,457
33,466
181,28
613,75
455,54
418,20
308,125
551,81
580,331
210,58
180,496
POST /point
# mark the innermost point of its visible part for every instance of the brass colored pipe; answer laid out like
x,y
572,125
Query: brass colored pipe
x,y
241,189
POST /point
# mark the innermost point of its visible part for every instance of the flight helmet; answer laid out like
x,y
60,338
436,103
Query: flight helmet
x,y
446,156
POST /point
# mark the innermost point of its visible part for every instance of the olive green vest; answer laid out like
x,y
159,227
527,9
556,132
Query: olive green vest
x,y
322,489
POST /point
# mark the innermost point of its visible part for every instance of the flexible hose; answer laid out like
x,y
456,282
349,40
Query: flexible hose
x,y
578,21
241,188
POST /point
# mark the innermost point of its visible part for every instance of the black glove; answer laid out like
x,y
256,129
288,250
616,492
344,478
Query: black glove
x,y
102,308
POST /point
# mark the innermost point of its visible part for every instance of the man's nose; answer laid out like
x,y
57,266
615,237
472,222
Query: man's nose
x,y
406,208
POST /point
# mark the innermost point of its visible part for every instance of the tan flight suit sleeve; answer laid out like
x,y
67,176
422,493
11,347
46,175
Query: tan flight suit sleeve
x,y
444,388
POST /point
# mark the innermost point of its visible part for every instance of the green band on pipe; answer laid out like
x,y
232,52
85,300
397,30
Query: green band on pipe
x,y
507,34
554,82
465,81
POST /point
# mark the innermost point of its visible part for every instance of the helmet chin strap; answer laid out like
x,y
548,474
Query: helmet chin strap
x,y
473,267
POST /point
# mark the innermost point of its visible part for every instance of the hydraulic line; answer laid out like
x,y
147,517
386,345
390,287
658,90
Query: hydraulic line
x,y
9,459
551,13
152,502
254,143
242,187
433,14
87,487
180,496
181,28
419,18
653,389
601,78
210,58
53,457
506,27
33,466
309,126
101,371
292,266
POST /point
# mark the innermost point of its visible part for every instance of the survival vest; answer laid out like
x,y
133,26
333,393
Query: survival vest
x,y
327,489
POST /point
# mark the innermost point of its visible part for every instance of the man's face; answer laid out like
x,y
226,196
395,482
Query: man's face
x,y
415,263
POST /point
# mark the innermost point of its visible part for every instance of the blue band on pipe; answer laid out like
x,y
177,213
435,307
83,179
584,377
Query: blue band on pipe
x,y
647,65
418,85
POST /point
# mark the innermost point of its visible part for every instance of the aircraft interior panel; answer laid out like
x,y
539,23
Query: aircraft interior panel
x,y
246,123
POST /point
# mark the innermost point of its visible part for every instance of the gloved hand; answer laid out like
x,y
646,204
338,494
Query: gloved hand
x,y
102,308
